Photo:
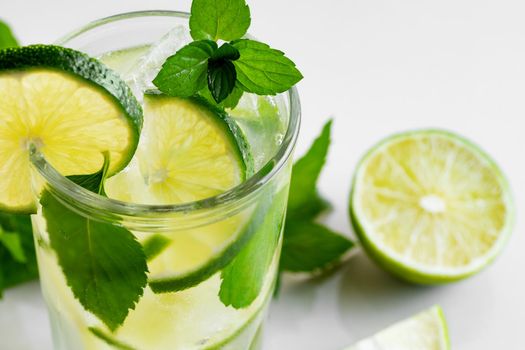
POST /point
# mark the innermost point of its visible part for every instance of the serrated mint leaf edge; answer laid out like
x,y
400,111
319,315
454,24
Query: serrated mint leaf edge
x,y
229,25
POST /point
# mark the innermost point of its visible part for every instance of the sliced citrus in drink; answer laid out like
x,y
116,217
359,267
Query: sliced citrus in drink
x,y
431,207
190,151
425,331
67,105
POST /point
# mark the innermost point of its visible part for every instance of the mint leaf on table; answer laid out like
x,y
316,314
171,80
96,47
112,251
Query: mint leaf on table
x,y
309,246
7,38
103,263
305,174
184,73
262,70
243,278
219,19
13,243
14,271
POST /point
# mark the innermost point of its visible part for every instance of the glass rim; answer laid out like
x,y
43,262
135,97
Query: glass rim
x,y
95,203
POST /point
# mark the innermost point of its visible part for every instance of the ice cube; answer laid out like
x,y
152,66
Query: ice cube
x,y
264,120
141,74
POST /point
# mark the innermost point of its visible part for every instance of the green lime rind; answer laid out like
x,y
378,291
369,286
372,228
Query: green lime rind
x,y
100,334
246,162
237,137
417,274
427,329
444,327
253,324
220,261
90,71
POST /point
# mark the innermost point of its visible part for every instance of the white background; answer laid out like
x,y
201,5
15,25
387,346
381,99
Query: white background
x,y
377,67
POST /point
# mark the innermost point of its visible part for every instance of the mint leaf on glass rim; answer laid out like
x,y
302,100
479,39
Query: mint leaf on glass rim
x,y
262,70
184,73
7,38
308,246
103,263
219,19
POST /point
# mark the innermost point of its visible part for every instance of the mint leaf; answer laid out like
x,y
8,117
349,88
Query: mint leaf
x,y
13,271
184,74
243,279
7,39
306,171
219,19
12,242
262,70
308,246
93,182
227,52
221,79
229,102
103,263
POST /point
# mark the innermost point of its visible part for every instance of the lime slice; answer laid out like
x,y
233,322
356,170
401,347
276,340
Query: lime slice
x,y
431,207
69,106
190,151
425,331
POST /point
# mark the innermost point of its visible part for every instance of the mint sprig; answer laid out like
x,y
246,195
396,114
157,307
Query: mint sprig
x,y
7,38
103,263
238,66
307,245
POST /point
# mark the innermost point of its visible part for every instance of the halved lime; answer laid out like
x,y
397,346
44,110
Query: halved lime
x,y
430,206
425,331
190,151
68,105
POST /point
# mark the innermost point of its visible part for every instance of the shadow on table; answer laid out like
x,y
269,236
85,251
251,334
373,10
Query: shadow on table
x,y
371,299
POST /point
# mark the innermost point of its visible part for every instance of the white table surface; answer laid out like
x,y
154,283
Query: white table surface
x,y
377,67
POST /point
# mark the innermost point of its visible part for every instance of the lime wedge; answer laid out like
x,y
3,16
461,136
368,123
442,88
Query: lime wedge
x,y
431,207
190,151
69,106
425,331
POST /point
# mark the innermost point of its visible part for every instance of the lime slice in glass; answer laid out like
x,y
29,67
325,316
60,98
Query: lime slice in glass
x,y
425,331
431,207
190,151
69,106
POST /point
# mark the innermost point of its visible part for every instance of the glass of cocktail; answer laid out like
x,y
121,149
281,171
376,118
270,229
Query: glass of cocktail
x,y
207,209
